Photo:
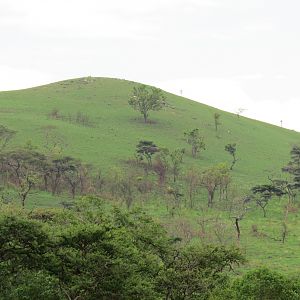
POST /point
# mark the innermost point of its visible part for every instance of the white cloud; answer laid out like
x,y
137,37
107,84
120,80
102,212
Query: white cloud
x,y
17,78
259,26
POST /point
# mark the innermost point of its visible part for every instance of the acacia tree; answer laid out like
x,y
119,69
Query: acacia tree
x,y
57,171
145,99
24,169
194,139
145,150
265,193
72,175
231,149
293,168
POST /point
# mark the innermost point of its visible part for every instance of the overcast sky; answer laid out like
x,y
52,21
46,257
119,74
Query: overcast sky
x,y
226,53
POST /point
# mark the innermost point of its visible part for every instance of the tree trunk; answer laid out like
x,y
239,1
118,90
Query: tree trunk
x,y
237,228
145,117
210,198
263,208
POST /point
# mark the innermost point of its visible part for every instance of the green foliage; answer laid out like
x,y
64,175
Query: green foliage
x,y
110,141
293,167
265,193
146,149
264,284
194,139
231,149
93,252
195,271
176,160
144,99
212,178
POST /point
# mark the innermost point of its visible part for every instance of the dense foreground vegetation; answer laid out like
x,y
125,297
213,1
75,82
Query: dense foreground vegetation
x,y
95,251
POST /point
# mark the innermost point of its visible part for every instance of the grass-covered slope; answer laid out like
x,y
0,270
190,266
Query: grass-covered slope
x,y
261,148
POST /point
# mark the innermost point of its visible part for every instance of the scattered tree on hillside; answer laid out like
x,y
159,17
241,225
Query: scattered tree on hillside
x,y
145,150
264,194
72,175
287,187
24,169
225,180
127,190
145,99
176,194
161,165
57,171
238,210
293,168
192,179
54,142
217,121
231,149
210,180
176,160
194,139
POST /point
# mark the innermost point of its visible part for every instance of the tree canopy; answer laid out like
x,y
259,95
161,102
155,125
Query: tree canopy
x,y
145,99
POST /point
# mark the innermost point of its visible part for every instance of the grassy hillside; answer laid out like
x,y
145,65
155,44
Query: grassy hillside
x,y
262,149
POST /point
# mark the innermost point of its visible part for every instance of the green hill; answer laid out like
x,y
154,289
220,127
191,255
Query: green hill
x,y
116,129
109,129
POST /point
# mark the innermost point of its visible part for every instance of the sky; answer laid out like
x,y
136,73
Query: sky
x,y
230,54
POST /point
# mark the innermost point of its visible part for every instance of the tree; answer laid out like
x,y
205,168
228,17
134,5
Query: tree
x,y
72,175
211,179
24,246
175,192
231,149
24,169
195,271
194,139
192,179
176,160
293,167
145,150
265,193
238,209
57,170
264,284
145,99
217,120
54,142
161,165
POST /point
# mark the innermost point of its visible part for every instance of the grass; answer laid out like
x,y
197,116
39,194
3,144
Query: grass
x,y
262,149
